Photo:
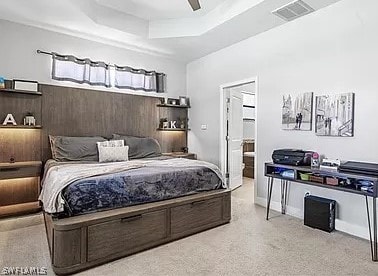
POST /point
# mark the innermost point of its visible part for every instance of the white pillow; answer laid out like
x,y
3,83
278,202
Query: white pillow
x,y
113,154
111,143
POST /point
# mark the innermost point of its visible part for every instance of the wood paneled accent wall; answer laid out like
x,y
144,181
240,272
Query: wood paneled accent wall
x,y
83,112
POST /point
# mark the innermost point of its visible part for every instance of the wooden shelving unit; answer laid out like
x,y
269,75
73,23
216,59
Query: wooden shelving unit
x,y
25,92
18,103
173,129
172,112
178,111
173,105
21,127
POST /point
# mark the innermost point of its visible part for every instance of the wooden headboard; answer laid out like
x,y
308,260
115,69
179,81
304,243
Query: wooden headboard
x,y
82,112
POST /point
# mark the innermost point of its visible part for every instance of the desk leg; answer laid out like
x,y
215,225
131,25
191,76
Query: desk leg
x,y
373,238
375,256
284,184
269,195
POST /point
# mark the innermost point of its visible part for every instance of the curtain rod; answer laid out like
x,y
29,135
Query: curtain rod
x,y
43,52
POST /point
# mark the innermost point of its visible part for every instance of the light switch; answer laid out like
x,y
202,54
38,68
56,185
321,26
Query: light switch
x,y
203,127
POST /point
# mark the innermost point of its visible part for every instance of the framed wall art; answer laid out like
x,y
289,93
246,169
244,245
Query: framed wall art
x,y
297,111
334,115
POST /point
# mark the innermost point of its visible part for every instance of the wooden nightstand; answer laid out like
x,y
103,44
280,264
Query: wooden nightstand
x,y
181,155
19,187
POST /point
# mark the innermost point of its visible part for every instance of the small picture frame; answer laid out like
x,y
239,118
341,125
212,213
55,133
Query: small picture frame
x,y
184,101
25,85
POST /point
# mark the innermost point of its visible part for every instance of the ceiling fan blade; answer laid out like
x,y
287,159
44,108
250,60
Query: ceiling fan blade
x,y
195,4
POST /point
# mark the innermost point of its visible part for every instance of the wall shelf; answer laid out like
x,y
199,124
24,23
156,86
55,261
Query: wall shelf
x,y
173,105
25,92
21,127
173,129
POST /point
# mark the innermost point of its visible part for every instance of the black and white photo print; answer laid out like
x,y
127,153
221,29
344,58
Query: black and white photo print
x,y
297,111
335,115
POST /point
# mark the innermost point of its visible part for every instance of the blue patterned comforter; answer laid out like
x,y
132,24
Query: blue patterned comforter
x,y
136,186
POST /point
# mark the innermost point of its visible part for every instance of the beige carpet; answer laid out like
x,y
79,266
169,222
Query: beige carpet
x,y
249,245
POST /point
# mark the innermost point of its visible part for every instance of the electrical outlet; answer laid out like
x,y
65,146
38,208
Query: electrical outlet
x,y
203,127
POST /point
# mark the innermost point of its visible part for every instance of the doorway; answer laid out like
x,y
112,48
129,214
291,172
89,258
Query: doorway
x,y
238,131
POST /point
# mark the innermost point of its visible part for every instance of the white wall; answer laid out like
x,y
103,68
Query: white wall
x,y
19,60
333,50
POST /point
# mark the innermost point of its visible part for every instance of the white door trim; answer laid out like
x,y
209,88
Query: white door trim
x,y
222,137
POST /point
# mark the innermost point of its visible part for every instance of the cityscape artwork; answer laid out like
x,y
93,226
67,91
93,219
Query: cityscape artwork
x,y
297,111
334,115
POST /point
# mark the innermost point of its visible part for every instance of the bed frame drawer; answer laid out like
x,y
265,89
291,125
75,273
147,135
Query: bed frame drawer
x,y
126,234
189,218
81,242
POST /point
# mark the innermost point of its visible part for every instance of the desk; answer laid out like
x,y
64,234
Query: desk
x,y
270,169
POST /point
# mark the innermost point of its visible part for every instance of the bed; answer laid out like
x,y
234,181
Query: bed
x,y
97,212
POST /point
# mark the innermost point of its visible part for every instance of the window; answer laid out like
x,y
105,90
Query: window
x,y
70,68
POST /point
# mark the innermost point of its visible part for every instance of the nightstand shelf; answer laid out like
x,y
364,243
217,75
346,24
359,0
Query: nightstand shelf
x,y
19,187
25,92
173,105
173,129
21,127
181,155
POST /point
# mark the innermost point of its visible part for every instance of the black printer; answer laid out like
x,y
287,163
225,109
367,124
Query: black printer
x,y
293,157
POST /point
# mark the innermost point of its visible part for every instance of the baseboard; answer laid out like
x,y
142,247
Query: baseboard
x,y
276,206
352,229
340,225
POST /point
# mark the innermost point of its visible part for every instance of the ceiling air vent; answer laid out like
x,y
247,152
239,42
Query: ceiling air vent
x,y
293,10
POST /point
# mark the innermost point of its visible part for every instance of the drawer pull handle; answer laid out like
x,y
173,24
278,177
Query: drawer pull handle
x,y
9,169
198,202
128,219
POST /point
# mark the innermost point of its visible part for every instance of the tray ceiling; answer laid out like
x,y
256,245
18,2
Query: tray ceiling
x,y
167,28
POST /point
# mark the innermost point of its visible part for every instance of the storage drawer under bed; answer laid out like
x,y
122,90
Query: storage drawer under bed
x,y
81,242
129,233
188,218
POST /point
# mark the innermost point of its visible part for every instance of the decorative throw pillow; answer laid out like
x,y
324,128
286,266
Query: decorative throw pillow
x,y
140,147
111,143
113,154
64,148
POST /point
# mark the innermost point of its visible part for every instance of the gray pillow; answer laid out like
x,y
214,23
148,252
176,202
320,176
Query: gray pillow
x,y
140,147
65,148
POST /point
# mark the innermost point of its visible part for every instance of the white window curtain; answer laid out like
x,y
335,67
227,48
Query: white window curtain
x,y
139,79
70,68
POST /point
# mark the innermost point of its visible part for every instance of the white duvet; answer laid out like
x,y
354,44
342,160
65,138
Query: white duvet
x,y
58,177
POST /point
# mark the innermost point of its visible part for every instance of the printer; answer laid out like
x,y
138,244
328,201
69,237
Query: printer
x,y
293,157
